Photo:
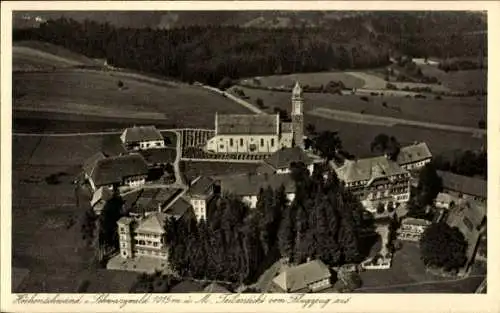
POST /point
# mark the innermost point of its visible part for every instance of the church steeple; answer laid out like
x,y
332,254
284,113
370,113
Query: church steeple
x,y
297,115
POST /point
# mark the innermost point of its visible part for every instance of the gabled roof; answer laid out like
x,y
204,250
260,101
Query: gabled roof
x,y
159,155
366,169
114,169
201,186
246,124
112,146
299,277
464,184
140,133
414,153
250,184
282,158
90,164
102,193
216,288
145,200
178,208
154,223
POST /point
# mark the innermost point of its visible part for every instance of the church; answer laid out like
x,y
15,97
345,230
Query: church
x,y
259,133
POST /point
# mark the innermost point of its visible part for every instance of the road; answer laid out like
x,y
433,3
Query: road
x,y
242,102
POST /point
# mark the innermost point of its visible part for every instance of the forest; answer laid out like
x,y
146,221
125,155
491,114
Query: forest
x,y
237,244
208,54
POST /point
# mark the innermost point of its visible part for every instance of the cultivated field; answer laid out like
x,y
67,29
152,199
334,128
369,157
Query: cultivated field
x,y
312,79
96,94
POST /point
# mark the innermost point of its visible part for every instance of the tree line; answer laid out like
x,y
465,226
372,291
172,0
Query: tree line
x,y
237,244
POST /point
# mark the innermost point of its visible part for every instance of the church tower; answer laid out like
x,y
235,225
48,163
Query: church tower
x,y
297,115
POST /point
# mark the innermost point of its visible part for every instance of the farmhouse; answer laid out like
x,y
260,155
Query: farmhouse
x,y
412,228
376,181
312,276
248,186
464,187
159,157
414,157
142,137
126,170
99,199
261,133
470,219
280,162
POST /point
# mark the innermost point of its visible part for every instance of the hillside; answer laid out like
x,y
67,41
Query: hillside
x,y
37,55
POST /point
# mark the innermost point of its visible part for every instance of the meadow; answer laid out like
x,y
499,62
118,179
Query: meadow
x,y
311,79
97,94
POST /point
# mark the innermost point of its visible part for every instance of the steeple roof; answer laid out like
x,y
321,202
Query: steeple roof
x,y
297,90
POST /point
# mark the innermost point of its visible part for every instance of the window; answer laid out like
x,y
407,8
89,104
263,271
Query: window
x,y
231,142
262,142
222,146
241,141
122,229
155,244
272,142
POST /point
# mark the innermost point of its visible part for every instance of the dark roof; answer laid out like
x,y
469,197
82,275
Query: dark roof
x,y
159,155
464,184
284,157
243,124
141,133
201,186
112,146
250,184
145,200
113,170
414,153
178,208
90,164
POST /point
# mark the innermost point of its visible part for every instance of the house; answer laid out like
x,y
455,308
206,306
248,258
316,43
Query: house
x,y
248,186
412,228
280,162
142,137
376,181
470,218
464,187
144,201
200,192
180,208
99,199
312,276
160,157
125,170
414,157
446,201
113,146
144,237
259,133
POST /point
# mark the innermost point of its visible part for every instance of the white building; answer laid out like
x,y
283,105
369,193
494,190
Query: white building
x,y
142,138
199,194
414,157
412,228
260,133
312,276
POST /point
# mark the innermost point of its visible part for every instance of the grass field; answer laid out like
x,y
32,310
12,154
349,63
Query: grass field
x,y
45,241
458,80
97,94
312,79
408,274
453,111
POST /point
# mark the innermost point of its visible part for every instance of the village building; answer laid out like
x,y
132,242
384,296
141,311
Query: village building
x,y
412,229
446,201
376,181
281,161
260,133
414,157
99,199
248,186
470,218
141,202
312,276
113,146
159,157
199,194
464,187
142,137
125,170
